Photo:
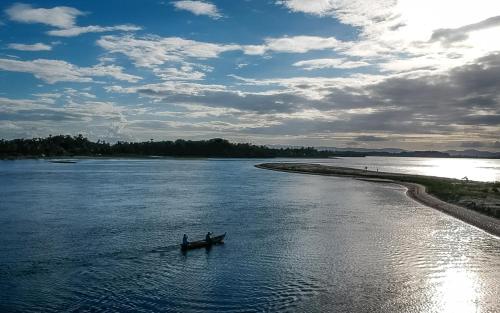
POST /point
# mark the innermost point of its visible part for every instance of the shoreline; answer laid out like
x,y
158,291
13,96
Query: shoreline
x,y
145,156
416,191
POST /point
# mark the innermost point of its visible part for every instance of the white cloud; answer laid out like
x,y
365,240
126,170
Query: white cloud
x,y
314,88
330,63
294,44
317,7
152,51
27,47
109,70
61,17
52,71
49,98
352,12
255,49
11,104
199,8
168,87
78,30
409,33
185,72
48,95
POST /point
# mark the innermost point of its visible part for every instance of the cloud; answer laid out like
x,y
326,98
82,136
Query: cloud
x,y
330,63
187,71
293,44
301,44
356,13
434,109
199,8
169,87
33,118
63,18
450,35
27,47
396,33
480,144
370,138
113,71
60,17
472,144
439,108
316,7
52,71
78,30
216,96
152,51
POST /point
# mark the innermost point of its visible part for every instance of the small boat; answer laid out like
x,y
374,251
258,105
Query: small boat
x,y
203,243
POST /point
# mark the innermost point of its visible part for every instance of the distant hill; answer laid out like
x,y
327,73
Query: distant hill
x,y
366,150
471,153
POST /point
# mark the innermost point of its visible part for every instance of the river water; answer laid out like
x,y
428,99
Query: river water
x,y
102,235
487,170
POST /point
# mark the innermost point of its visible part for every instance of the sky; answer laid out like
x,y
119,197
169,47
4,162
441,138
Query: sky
x,y
416,75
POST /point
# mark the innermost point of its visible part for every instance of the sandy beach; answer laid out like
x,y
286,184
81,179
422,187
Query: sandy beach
x,y
415,190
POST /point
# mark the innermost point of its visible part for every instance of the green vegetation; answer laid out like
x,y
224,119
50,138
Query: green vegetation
x,y
81,146
478,196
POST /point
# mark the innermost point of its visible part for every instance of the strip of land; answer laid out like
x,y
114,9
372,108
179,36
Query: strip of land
x,y
476,203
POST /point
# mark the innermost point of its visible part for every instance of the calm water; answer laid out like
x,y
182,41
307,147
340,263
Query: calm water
x,y
475,169
101,235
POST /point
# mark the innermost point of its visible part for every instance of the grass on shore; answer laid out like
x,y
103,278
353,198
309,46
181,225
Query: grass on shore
x,y
478,196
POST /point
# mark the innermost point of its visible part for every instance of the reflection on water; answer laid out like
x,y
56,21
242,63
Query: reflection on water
x,y
102,235
457,291
474,169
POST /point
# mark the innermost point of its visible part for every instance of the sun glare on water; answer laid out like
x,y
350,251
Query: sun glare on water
x,y
473,169
457,292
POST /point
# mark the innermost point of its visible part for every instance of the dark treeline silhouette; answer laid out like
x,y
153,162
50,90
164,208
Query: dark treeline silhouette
x,y
80,146
65,145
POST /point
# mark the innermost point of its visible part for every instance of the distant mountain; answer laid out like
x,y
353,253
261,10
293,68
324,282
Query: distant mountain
x,y
389,150
471,153
323,148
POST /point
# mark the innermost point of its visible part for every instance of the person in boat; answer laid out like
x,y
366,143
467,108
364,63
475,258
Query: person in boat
x,y
185,241
208,237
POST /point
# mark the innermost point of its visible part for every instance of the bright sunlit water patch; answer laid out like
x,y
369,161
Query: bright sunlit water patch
x,y
457,292
473,169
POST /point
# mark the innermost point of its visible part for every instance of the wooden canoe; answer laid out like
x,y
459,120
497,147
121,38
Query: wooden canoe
x,y
203,243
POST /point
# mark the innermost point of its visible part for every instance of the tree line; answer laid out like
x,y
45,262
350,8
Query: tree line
x,y
65,145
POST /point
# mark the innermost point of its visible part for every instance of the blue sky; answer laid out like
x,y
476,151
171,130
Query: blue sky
x,y
380,73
